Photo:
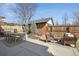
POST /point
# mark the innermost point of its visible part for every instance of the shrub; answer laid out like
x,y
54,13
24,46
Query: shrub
x,y
33,28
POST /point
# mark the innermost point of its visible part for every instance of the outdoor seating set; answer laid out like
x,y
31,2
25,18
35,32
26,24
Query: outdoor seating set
x,y
12,37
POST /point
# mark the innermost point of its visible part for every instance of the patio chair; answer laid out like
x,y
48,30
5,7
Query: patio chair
x,y
9,38
17,38
2,32
70,39
13,38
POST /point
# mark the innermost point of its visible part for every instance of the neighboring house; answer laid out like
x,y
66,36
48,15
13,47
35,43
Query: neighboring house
x,y
43,25
2,19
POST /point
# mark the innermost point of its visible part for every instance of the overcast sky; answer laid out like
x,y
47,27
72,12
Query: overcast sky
x,y
56,11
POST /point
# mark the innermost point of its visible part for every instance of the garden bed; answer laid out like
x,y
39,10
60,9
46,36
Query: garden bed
x,y
33,36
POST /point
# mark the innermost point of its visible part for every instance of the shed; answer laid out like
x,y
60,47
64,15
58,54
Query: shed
x,y
43,25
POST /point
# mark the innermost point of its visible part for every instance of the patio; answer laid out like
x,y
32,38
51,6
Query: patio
x,y
23,49
32,47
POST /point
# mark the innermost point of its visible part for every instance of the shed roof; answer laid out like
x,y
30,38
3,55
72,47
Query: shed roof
x,y
41,20
66,26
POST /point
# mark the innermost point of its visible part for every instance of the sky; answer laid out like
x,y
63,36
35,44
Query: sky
x,y
56,11
46,10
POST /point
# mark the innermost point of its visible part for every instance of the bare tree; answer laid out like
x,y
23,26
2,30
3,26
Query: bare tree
x,y
24,12
65,19
57,23
76,18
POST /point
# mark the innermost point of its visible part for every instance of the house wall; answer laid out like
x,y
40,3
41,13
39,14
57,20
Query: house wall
x,y
42,29
50,22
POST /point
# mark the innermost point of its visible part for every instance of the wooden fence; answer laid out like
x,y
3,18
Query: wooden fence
x,y
57,30
11,28
60,30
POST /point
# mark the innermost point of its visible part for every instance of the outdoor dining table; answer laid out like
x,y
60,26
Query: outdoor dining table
x,y
12,37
